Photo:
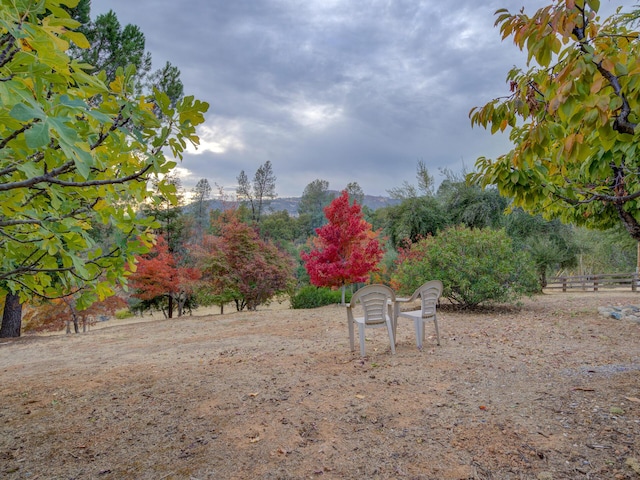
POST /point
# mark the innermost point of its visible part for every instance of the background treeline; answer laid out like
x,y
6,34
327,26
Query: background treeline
x,y
245,257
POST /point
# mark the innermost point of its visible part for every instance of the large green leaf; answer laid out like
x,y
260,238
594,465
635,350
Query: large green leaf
x,y
37,136
24,113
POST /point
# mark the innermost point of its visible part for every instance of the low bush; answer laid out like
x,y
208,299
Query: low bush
x,y
122,314
476,266
313,297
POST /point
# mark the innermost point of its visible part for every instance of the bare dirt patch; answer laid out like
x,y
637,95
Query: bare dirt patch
x,y
551,391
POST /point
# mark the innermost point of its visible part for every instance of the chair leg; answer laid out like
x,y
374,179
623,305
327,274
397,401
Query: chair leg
x,y
435,322
417,323
361,331
351,335
391,337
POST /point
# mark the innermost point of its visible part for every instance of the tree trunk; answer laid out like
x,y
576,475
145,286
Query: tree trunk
x,y
70,302
170,307
629,222
344,288
11,317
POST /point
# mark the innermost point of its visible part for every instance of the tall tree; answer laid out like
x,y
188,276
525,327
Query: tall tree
x,y
113,46
414,219
165,205
407,190
260,192
315,197
281,228
166,79
572,117
73,152
467,203
356,194
201,193
346,250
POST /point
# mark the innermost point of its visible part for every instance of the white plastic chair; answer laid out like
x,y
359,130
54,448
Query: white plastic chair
x,y
378,306
429,294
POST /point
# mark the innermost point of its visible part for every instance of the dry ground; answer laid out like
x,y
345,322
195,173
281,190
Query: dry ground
x,y
551,391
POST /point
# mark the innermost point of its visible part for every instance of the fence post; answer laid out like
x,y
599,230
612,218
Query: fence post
x,y
634,282
564,284
595,283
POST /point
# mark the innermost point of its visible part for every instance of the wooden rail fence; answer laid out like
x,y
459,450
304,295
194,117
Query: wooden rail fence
x,y
595,282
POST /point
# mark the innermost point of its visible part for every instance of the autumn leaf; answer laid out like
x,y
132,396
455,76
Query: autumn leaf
x,y
346,249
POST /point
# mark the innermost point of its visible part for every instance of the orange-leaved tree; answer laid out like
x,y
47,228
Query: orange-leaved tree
x,y
53,315
346,249
572,115
158,280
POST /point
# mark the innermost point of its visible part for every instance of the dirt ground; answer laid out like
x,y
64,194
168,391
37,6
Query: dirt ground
x,y
547,392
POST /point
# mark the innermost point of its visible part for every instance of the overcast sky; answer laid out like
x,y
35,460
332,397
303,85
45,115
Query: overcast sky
x,y
338,90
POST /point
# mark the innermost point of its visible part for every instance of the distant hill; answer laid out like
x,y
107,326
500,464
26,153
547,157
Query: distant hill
x,y
290,204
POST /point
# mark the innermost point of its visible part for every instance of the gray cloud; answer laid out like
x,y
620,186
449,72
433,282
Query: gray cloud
x,y
332,89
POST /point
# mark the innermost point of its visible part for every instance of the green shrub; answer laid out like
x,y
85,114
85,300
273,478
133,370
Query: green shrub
x,y
312,297
122,314
478,266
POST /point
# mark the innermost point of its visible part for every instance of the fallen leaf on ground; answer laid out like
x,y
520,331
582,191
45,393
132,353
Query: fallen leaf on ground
x,y
633,464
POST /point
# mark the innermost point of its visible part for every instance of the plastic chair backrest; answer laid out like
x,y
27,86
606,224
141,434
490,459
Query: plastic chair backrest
x,y
429,294
374,300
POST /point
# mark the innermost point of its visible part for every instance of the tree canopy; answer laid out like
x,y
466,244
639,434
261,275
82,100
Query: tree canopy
x,y
75,149
346,250
254,269
315,197
572,116
260,192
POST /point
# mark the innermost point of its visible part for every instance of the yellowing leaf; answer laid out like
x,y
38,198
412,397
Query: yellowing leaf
x,y
79,39
568,143
100,205
597,84
25,45
607,64
118,85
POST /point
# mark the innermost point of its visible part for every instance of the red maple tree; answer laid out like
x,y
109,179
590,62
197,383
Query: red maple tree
x,y
157,277
346,249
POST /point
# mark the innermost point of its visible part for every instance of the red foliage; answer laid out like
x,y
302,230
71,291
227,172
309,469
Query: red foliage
x,y
346,249
157,274
237,265
53,316
256,268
